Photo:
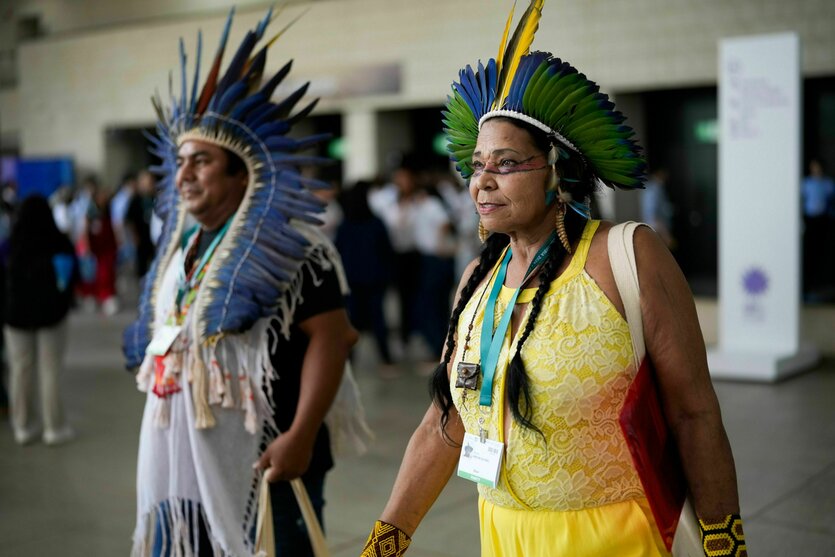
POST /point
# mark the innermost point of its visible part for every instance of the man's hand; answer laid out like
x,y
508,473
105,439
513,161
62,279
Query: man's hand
x,y
286,458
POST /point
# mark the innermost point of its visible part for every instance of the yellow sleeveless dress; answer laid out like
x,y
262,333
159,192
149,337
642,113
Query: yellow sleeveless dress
x,y
576,492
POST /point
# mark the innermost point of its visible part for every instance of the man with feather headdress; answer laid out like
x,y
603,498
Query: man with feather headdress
x,y
242,337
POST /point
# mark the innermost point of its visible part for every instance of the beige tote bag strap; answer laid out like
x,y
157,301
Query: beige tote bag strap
x,y
625,271
264,534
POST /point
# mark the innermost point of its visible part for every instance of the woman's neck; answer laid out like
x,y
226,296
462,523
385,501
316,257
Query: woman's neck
x,y
524,248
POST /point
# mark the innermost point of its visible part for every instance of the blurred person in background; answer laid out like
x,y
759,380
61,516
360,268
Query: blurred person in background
x,y
97,250
464,218
137,222
656,208
60,201
367,255
39,273
436,243
119,203
332,215
817,195
80,205
397,204
6,212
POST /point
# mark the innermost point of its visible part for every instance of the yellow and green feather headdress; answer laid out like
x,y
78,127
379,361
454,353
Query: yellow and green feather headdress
x,y
549,94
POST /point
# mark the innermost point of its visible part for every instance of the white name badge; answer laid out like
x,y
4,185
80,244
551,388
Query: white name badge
x,y
164,337
480,461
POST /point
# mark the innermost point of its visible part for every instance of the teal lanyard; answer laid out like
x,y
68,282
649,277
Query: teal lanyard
x,y
187,284
491,342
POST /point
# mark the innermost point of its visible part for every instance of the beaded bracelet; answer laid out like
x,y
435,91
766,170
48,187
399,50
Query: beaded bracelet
x,y
386,540
723,537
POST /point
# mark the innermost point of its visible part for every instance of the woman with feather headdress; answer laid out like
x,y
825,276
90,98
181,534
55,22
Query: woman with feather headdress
x,y
543,385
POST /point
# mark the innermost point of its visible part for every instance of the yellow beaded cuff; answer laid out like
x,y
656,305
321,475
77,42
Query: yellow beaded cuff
x,y
386,540
724,537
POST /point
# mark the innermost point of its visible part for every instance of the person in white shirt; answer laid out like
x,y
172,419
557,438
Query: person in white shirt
x,y
397,205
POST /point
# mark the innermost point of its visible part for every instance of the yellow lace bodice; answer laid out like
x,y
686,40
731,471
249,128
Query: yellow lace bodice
x,y
578,359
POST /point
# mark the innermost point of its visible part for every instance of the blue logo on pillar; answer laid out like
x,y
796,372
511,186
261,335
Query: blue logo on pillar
x,y
755,283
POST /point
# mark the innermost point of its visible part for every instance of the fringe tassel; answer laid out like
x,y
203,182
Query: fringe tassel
x,y
175,520
145,377
216,387
162,413
228,396
350,434
248,404
203,416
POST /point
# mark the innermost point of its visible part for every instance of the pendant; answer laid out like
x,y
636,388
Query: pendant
x,y
468,375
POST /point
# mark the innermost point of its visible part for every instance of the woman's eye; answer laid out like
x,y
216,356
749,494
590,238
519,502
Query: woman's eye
x,y
478,165
507,163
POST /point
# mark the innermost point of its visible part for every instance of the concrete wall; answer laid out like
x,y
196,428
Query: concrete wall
x,y
73,87
9,118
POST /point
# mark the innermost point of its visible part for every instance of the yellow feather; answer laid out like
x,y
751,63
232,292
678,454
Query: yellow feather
x,y
504,37
286,27
519,46
270,42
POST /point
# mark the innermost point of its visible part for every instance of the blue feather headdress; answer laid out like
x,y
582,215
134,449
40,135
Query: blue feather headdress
x,y
549,94
261,251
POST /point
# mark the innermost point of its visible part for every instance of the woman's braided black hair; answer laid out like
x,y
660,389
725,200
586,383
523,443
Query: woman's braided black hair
x,y
577,180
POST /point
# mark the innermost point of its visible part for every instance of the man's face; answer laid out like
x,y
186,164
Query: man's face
x,y
206,190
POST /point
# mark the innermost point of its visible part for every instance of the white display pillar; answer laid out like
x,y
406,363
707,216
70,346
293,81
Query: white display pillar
x,y
759,210
359,128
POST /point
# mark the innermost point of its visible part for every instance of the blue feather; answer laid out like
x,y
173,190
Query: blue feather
x,y
483,83
262,26
288,103
183,81
281,143
193,104
300,160
267,113
464,90
279,76
236,66
303,113
270,129
249,104
313,140
229,98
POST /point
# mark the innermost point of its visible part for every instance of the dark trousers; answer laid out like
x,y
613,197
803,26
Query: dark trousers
x,y
365,308
437,277
406,280
817,253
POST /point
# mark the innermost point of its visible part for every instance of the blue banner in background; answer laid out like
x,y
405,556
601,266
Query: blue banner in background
x,y
43,176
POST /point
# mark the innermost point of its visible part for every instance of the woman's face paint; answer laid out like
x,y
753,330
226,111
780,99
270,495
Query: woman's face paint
x,y
509,180
509,164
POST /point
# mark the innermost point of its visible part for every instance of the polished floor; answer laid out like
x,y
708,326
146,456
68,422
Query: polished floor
x,y
78,499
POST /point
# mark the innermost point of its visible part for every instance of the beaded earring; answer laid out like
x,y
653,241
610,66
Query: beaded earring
x,y
483,233
563,199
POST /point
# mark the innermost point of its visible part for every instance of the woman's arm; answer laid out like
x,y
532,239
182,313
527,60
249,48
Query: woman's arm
x,y
676,347
427,465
